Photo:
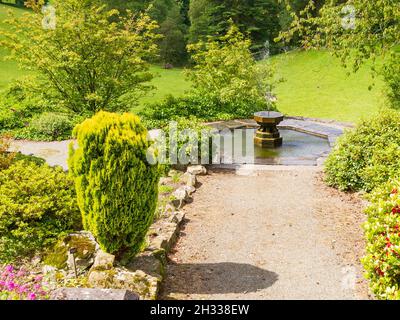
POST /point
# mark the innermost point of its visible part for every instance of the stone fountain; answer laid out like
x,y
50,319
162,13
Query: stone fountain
x,y
268,136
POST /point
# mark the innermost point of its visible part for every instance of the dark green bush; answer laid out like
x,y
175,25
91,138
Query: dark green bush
x,y
117,188
37,204
367,156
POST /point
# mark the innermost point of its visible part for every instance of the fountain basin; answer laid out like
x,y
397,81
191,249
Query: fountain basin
x,y
268,136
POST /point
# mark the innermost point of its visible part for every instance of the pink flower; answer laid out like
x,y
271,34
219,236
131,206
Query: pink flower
x,y
9,268
11,285
23,289
20,273
38,278
31,296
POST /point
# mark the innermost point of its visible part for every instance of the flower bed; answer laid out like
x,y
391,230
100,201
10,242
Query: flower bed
x,y
382,262
19,284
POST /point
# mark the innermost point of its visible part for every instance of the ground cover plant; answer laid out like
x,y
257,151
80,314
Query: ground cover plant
x,y
37,205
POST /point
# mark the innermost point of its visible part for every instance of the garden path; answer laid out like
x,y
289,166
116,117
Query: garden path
x,y
277,233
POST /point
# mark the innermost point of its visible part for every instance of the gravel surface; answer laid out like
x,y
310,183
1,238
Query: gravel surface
x,y
272,234
55,153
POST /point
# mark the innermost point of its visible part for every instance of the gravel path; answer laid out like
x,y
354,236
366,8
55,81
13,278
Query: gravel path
x,y
55,153
273,234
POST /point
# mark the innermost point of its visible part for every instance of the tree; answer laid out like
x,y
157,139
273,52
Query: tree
x,y
167,13
256,18
200,13
92,59
172,44
355,31
226,69
295,6
184,7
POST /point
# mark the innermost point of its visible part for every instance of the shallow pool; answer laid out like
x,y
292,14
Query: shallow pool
x,y
298,149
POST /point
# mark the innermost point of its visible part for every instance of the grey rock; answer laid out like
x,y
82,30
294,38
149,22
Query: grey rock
x,y
86,249
177,217
103,261
150,262
180,194
189,179
77,250
93,294
101,278
197,170
146,286
190,190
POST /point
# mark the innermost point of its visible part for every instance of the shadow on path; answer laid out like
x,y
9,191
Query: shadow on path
x,y
214,278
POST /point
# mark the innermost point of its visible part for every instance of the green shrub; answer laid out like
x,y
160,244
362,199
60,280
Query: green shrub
x,y
35,160
6,157
391,74
367,156
382,261
19,103
187,150
117,189
37,204
54,126
225,69
205,108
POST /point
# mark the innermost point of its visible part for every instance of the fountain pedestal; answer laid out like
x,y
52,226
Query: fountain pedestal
x,y
268,135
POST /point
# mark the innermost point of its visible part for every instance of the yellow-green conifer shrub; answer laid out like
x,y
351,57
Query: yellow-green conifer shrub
x,y
116,187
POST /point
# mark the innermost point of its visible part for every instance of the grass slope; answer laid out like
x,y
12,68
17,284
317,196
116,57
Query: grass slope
x,y
318,86
166,82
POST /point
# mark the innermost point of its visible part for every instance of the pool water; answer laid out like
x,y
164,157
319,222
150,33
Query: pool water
x,y
298,149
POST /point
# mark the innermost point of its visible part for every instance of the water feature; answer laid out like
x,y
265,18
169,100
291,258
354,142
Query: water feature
x,y
267,135
298,148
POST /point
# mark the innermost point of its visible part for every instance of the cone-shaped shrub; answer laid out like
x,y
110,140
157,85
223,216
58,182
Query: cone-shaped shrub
x,y
116,187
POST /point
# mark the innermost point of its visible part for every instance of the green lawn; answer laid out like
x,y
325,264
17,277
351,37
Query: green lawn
x,y
167,82
315,84
8,69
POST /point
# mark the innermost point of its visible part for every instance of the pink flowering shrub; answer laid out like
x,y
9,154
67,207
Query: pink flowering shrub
x,y
18,284
382,261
